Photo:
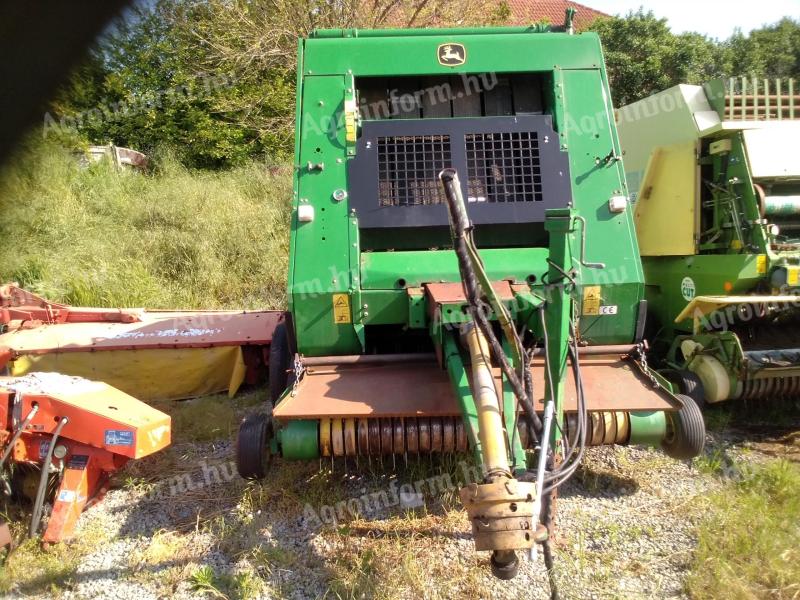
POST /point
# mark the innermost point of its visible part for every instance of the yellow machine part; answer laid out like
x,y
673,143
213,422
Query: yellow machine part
x,y
666,212
702,306
157,374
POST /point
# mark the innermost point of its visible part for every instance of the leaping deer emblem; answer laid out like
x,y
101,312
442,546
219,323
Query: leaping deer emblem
x,y
452,54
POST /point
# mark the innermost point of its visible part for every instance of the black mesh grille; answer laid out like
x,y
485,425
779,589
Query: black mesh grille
x,y
408,169
503,167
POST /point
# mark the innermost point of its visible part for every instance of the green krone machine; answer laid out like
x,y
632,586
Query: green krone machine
x,y
464,274
717,211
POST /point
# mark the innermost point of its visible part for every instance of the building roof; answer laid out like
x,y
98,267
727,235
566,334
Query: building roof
x,y
525,12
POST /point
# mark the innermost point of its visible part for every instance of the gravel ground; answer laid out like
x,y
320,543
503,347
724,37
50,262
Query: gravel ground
x,y
624,531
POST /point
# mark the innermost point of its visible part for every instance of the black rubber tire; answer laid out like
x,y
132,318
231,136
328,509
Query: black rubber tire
x,y
253,455
688,383
686,431
280,359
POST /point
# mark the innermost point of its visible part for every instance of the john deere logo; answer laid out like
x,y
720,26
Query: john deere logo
x,y
452,55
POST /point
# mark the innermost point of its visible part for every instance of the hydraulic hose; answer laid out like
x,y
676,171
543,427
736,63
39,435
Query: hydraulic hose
x,y
460,230
10,446
36,518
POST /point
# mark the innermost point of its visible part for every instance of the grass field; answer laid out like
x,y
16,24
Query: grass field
x,y
170,238
747,537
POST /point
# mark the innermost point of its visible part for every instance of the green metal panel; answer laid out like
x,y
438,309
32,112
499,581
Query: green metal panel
x,y
667,278
591,138
417,54
433,31
298,118
321,259
382,270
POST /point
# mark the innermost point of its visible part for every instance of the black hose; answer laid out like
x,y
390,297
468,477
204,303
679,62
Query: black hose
x,y
10,446
36,518
459,227
570,466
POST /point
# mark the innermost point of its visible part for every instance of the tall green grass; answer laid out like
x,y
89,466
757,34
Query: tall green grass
x,y
173,238
748,539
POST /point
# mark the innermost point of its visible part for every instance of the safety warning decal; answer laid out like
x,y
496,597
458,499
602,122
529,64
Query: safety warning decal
x,y
117,437
341,309
591,300
761,264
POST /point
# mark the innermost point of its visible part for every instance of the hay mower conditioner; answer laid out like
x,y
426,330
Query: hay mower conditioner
x,y
718,220
458,240
61,439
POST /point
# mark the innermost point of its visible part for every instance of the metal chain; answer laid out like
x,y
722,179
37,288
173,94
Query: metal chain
x,y
645,366
299,369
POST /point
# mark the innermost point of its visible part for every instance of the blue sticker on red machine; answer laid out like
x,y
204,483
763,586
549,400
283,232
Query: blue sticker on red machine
x,y
78,462
116,437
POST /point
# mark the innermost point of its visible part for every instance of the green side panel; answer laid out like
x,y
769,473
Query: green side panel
x,y
673,281
300,440
321,262
390,307
591,139
648,428
412,55
385,270
298,118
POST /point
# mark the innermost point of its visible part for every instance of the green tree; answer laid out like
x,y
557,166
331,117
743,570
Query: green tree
x,y
644,57
215,79
772,51
141,88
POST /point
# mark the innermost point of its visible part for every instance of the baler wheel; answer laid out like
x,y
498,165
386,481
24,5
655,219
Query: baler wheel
x,y
253,454
686,431
280,360
688,383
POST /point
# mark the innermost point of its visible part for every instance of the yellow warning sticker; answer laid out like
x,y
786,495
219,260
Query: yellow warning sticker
x,y
761,264
341,309
591,300
350,121
792,275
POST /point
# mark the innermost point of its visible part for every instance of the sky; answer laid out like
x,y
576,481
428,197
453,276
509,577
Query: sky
x,y
715,18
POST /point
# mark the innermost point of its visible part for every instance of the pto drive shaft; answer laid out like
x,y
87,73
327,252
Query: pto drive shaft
x,y
501,509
